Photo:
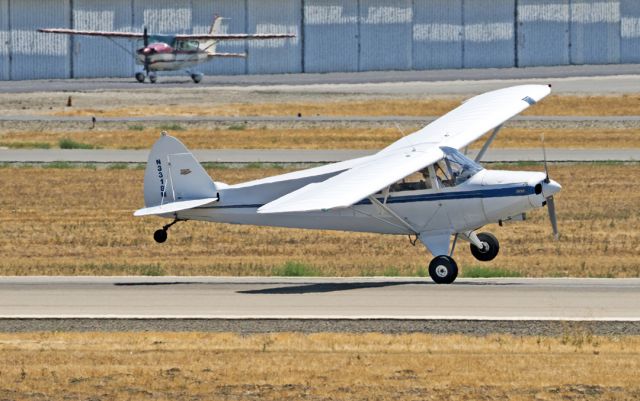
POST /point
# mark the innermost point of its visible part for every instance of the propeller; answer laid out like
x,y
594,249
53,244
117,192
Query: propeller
x,y
551,205
145,40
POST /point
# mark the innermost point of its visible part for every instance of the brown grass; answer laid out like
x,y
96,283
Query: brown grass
x,y
615,105
319,138
79,221
209,366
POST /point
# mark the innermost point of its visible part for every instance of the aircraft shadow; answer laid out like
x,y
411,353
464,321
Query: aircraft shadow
x,y
327,287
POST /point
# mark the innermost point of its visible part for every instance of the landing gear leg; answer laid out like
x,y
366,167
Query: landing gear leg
x,y
161,235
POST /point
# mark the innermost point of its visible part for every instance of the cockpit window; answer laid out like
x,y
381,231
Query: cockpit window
x,y
460,167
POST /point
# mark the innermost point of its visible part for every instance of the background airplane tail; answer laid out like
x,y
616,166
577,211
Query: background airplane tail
x,y
209,46
174,180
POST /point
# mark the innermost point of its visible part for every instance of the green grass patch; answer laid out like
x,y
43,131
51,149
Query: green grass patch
x,y
237,127
117,166
136,127
152,270
66,143
391,272
487,272
62,165
25,145
295,269
171,127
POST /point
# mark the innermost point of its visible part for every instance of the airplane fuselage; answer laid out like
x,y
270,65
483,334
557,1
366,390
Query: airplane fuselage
x,y
162,57
487,197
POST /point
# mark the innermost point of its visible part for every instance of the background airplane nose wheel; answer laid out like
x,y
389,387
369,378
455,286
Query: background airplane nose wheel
x,y
153,78
140,77
490,250
443,269
160,236
197,78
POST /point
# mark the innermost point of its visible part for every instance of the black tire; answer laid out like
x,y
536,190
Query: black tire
x,y
153,78
443,269
160,236
140,77
196,78
492,247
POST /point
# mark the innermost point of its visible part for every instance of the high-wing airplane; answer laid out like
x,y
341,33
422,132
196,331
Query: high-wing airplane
x,y
175,52
421,186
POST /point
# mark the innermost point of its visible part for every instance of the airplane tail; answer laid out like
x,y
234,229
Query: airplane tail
x,y
174,180
209,46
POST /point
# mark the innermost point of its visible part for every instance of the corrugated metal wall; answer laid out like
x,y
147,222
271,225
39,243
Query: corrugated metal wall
x,y
330,35
275,55
333,35
630,31
543,32
489,34
385,35
39,55
102,57
595,31
437,34
4,41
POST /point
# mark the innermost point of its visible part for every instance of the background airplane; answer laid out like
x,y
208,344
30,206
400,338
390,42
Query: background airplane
x,y
420,186
175,52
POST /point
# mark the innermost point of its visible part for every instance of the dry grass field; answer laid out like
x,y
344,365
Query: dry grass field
x,y
210,366
79,221
614,105
240,137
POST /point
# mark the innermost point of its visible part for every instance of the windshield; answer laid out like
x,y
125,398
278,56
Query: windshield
x,y
460,167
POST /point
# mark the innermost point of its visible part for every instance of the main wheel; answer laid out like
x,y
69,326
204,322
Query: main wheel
x,y
140,77
160,236
490,249
153,78
443,269
196,78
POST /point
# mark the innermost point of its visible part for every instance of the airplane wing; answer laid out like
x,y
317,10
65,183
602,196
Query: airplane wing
x,y
475,117
355,184
456,129
140,35
234,36
130,35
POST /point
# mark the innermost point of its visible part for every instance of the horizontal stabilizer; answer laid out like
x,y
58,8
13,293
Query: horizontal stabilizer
x,y
239,55
173,207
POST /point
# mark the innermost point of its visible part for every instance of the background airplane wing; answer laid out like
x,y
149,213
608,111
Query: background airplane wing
x,y
355,184
475,117
234,36
131,35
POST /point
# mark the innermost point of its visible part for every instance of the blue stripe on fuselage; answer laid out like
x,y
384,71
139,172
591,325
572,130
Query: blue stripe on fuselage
x,y
477,193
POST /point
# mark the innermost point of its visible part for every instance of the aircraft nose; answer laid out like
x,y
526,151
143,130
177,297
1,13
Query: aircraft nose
x,y
550,188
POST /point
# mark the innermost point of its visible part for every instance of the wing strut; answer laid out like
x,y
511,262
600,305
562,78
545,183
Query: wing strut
x,y
393,214
486,145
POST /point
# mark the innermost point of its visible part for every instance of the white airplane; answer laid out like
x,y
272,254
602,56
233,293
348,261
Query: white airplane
x,y
421,186
174,52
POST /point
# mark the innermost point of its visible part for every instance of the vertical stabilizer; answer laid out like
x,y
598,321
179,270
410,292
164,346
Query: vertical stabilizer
x,y
174,175
216,27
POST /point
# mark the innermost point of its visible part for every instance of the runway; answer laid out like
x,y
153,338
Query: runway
x,y
620,78
302,155
319,298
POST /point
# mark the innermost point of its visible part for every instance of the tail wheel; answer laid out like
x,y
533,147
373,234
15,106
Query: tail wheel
x,y
443,269
160,235
490,249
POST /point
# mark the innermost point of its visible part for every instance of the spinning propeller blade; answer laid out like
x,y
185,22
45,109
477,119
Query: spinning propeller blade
x,y
551,205
145,39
